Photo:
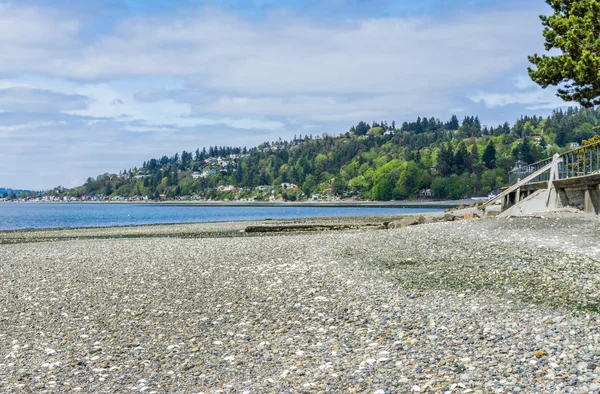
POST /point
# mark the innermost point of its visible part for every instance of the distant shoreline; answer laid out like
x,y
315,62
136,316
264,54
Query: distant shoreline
x,y
316,204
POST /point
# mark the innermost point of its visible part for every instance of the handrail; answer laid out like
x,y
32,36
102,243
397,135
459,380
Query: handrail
x,y
571,157
581,147
564,153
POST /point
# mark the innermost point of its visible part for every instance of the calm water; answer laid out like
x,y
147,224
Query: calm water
x,y
15,216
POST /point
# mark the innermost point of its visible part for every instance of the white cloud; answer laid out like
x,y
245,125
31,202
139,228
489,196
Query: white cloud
x,y
27,27
532,100
5,129
39,100
524,82
226,54
288,56
528,95
35,39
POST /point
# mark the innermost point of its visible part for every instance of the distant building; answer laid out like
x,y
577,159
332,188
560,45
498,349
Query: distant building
x,y
426,193
494,193
573,145
207,173
226,188
518,164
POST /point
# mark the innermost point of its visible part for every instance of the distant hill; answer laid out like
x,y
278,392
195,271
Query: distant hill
x,y
15,191
378,161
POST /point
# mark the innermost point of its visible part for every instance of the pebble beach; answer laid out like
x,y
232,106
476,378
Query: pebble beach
x,y
500,305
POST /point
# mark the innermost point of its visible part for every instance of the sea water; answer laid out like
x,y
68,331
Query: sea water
x,y
15,216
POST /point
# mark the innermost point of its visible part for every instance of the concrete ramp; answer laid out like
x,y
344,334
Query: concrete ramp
x,y
535,203
517,186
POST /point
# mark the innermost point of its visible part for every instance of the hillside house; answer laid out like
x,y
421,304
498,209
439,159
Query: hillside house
x,y
426,193
286,185
206,173
226,188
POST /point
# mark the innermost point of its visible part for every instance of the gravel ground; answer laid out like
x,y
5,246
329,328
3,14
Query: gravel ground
x,y
489,305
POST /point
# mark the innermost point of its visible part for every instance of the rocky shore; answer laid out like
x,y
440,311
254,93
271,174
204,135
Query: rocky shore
x,y
474,306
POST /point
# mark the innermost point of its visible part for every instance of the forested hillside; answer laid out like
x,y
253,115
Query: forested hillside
x,y
377,160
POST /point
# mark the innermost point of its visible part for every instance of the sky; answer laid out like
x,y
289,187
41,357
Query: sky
x,y
95,86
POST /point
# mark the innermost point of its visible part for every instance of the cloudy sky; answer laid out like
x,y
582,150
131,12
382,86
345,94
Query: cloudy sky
x,y
90,86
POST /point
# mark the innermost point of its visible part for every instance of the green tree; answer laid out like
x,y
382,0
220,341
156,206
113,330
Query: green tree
x,y
462,159
474,154
525,152
489,155
445,160
308,185
320,167
339,186
453,123
573,29
383,188
408,184
583,132
362,128
359,184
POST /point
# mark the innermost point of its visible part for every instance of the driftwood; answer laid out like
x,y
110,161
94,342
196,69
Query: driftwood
x,y
402,222
304,227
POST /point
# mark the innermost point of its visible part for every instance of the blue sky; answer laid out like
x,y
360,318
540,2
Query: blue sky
x,y
88,87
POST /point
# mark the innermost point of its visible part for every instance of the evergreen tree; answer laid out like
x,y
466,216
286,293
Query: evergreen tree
x,y
489,155
453,123
462,159
474,154
573,29
362,128
445,160
525,152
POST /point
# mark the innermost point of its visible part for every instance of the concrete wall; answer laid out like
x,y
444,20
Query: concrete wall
x,y
573,198
583,192
533,203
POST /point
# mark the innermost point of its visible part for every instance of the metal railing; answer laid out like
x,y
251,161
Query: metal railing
x,y
581,161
